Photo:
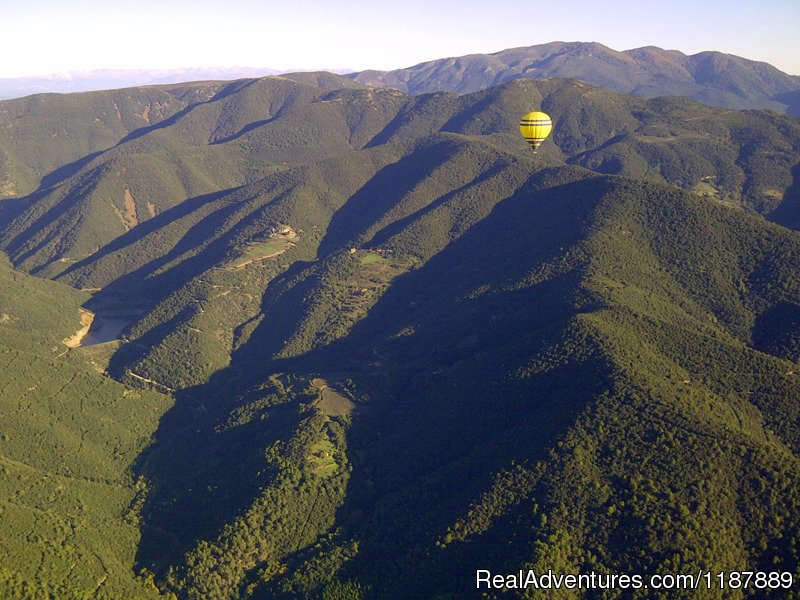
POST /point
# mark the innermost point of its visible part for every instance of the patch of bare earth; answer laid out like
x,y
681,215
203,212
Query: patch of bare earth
x,y
86,322
8,188
130,216
331,401
130,209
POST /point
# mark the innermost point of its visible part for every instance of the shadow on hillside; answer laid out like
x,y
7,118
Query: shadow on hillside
x,y
285,304
400,120
430,456
10,209
450,404
48,218
788,212
246,129
449,407
61,174
202,475
777,331
151,285
382,192
397,227
196,235
65,172
791,100
169,121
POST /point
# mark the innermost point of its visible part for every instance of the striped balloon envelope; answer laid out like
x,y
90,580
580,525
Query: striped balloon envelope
x,y
535,127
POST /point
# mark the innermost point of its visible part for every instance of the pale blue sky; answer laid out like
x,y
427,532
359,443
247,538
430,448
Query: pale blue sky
x,y
46,36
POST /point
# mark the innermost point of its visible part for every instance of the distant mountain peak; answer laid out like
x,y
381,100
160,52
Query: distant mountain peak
x,y
711,77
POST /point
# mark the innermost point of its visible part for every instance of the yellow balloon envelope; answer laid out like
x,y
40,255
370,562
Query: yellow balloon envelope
x,y
535,127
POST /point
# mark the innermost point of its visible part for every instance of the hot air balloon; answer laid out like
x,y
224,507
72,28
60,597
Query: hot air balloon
x,y
535,127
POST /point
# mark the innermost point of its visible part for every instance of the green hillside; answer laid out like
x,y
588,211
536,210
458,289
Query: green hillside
x,y
367,343
252,130
45,137
69,437
670,426
249,130
173,208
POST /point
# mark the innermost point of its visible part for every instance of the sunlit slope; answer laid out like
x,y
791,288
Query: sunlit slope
x,y
69,436
46,136
247,131
254,129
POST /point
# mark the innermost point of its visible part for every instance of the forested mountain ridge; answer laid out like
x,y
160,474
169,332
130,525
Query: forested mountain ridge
x,y
71,82
44,133
401,347
712,78
253,128
369,141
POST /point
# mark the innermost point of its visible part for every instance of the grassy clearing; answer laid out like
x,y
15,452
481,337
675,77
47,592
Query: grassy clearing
x,y
322,459
703,188
773,193
370,258
277,243
100,354
332,402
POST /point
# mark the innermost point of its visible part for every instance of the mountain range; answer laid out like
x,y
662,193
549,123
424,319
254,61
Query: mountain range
x,y
364,342
712,78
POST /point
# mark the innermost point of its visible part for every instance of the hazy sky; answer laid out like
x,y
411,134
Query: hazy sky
x,y
46,36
